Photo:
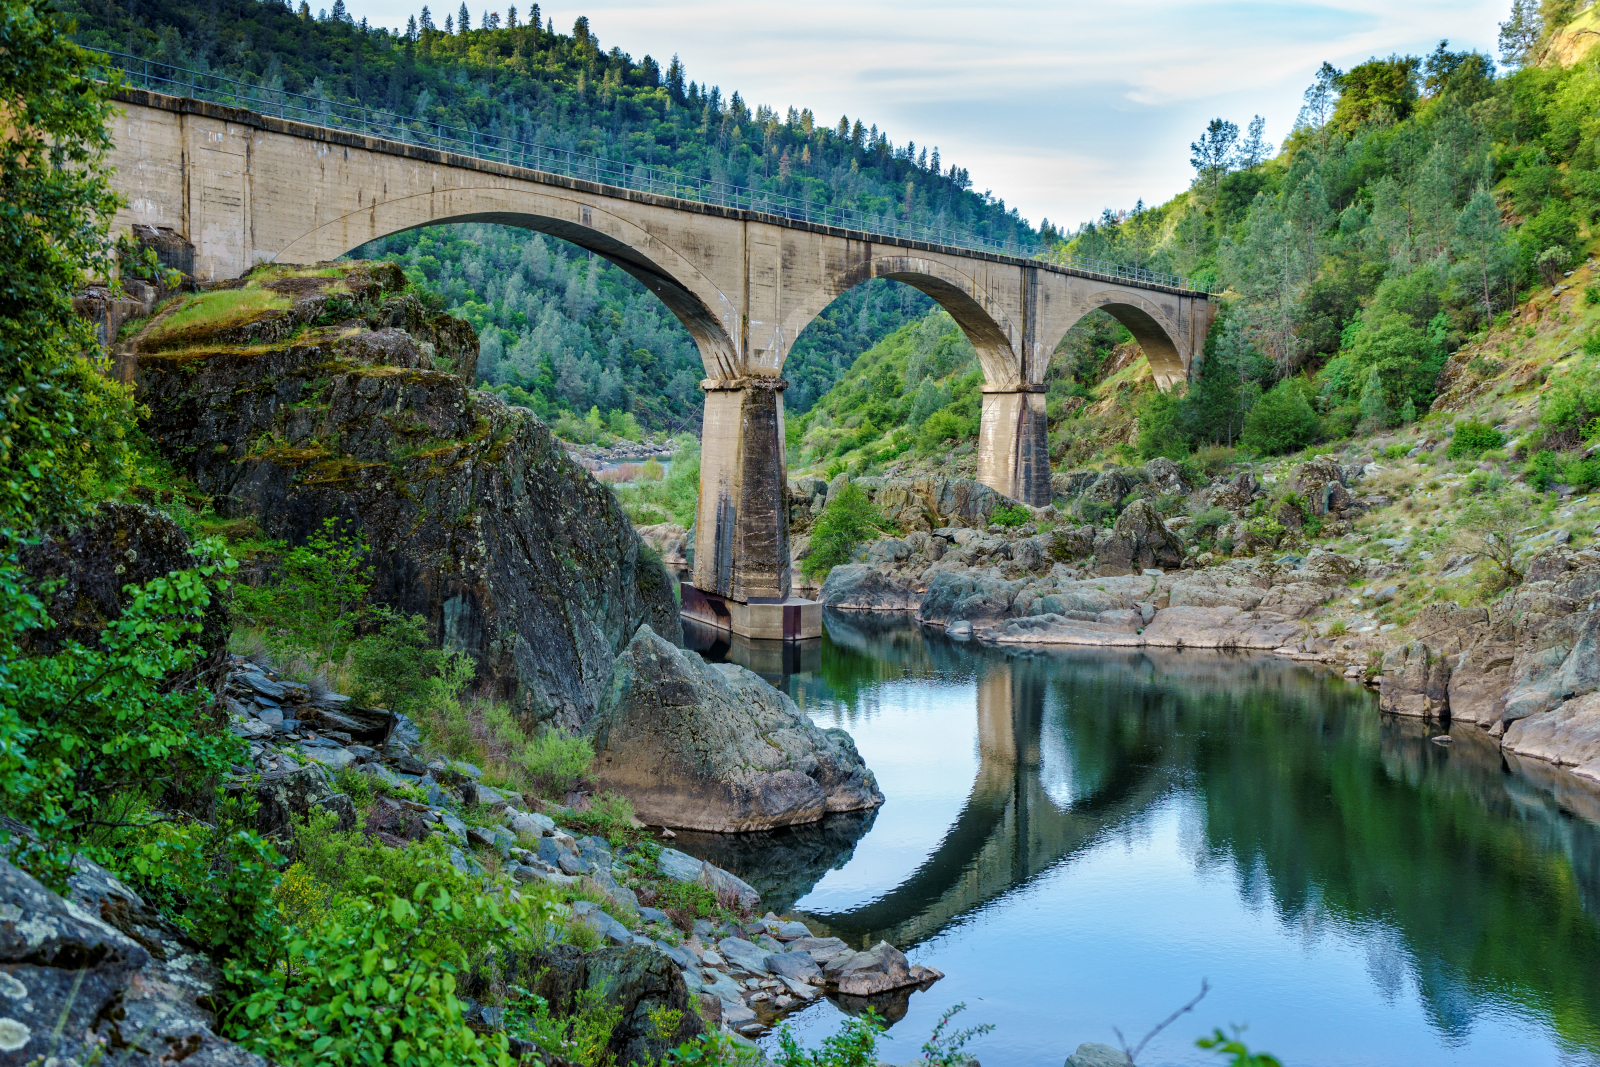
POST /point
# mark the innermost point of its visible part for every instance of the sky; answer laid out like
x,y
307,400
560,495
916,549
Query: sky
x,y
1061,107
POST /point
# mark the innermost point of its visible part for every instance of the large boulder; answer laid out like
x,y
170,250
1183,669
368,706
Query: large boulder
x,y
955,596
1415,682
97,970
478,519
1139,540
714,747
867,587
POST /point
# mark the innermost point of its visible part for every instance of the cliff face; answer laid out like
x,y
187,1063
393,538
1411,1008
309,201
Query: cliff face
x,y
334,394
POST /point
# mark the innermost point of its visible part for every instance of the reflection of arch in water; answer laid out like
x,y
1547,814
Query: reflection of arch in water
x,y
1011,828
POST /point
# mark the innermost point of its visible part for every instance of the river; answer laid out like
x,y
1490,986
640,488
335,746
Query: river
x,y
1078,838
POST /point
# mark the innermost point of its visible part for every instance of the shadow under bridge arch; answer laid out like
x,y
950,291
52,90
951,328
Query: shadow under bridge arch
x,y
696,300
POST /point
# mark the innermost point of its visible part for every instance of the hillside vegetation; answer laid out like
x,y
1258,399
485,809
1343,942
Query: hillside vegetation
x,y
1416,250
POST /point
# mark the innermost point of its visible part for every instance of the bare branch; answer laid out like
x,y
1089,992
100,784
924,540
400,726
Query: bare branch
x,y
1133,1053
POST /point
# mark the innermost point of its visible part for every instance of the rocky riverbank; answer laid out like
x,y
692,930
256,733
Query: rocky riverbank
x,y
1290,561
746,974
743,972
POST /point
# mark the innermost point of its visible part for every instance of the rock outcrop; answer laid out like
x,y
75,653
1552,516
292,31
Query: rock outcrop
x,y
97,970
356,403
714,747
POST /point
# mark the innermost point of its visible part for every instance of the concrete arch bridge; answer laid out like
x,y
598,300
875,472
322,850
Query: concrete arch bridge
x,y
246,188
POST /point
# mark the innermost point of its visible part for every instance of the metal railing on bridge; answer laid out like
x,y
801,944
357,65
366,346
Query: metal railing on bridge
x,y
145,73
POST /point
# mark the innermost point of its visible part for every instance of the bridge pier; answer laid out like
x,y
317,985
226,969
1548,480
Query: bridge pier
x,y
1014,444
741,552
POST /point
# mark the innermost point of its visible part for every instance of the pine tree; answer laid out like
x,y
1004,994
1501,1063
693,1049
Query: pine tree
x,y
1520,33
411,28
1375,411
427,19
675,79
449,24
463,19
338,11
511,17
1209,155
1253,150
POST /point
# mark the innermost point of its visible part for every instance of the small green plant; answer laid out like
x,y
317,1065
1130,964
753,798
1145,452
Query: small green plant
x,y
1472,439
848,520
579,1037
1591,294
1223,1045
319,603
945,1050
1337,628
1010,516
852,1045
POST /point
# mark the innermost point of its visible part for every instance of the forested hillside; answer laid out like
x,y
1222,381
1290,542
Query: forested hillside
x,y
1422,216
594,341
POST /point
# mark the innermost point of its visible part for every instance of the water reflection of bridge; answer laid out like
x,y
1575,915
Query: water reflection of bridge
x,y
1315,803
1011,828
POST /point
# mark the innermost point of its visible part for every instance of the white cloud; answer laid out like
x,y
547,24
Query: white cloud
x,y
1062,108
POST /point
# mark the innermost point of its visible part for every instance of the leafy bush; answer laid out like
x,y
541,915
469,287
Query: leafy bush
x,y
1094,512
848,520
1207,520
215,883
374,985
1493,526
318,603
1543,470
1010,516
1282,421
852,1045
1161,428
580,1037
87,725
1472,439
393,662
942,426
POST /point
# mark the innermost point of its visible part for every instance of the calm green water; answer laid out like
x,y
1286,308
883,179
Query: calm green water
x,y
1078,838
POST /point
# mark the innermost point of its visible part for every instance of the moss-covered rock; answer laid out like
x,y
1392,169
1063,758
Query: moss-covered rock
x,y
477,519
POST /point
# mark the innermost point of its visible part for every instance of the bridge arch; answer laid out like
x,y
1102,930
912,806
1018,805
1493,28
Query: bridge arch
x,y
1164,341
973,307
710,315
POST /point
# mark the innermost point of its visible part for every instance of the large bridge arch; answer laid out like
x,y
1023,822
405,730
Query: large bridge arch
x,y
710,315
974,307
1165,340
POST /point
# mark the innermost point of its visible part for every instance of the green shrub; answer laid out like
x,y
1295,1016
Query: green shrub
x,y
374,985
1207,520
942,426
579,1037
848,520
1095,512
317,605
1161,429
852,1045
1472,439
1543,470
392,663
86,730
554,760
1282,421
1010,516
214,882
